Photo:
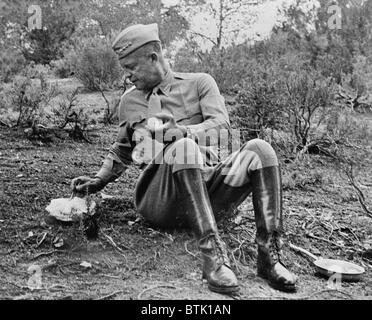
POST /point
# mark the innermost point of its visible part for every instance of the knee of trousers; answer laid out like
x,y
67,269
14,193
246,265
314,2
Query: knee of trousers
x,y
263,150
184,154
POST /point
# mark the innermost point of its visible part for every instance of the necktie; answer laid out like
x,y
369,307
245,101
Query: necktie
x,y
154,108
154,103
146,148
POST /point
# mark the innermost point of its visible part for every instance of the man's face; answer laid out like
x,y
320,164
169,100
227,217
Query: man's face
x,y
142,70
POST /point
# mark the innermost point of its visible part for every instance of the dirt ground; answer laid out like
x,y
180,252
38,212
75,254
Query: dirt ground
x,y
130,260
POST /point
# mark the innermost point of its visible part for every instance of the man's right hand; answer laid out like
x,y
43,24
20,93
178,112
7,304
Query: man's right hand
x,y
83,186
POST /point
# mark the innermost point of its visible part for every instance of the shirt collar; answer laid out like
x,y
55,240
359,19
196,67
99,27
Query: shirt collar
x,y
164,86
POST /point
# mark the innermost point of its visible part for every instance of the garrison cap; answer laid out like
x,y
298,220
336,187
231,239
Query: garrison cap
x,y
133,37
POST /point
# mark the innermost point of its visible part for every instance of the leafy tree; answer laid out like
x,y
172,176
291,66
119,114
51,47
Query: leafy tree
x,y
59,21
97,65
227,19
118,14
328,49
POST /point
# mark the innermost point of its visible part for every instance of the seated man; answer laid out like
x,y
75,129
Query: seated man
x,y
183,180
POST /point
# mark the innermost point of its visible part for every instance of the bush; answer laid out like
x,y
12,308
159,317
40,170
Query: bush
x,y
112,106
227,66
293,103
26,100
59,24
61,68
188,59
68,115
259,101
231,66
343,126
297,178
285,89
66,66
98,66
308,97
36,71
11,63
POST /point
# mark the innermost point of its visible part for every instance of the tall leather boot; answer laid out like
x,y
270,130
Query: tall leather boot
x,y
267,204
195,199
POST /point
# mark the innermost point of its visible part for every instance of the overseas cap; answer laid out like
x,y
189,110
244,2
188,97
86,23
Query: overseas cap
x,y
133,37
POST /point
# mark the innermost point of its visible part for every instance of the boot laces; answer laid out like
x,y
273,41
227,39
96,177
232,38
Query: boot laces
x,y
274,248
221,250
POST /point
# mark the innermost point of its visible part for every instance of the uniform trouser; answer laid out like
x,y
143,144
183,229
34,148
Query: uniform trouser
x,y
228,184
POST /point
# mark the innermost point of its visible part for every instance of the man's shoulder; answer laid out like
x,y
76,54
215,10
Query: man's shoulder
x,y
192,75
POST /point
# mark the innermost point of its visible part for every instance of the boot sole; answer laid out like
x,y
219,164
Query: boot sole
x,y
291,288
226,290
286,288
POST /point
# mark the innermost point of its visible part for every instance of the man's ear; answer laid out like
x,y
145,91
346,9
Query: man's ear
x,y
154,57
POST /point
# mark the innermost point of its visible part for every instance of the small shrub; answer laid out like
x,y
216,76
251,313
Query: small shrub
x,y
301,179
283,142
26,100
308,96
67,114
36,71
66,66
112,106
98,66
60,22
61,68
292,102
11,64
344,126
259,100
227,66
301,174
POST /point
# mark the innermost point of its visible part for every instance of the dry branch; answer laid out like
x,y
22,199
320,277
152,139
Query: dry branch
x,y
361,198
111,295
310,235
327,290
43,254
155,287
112,242
189,252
